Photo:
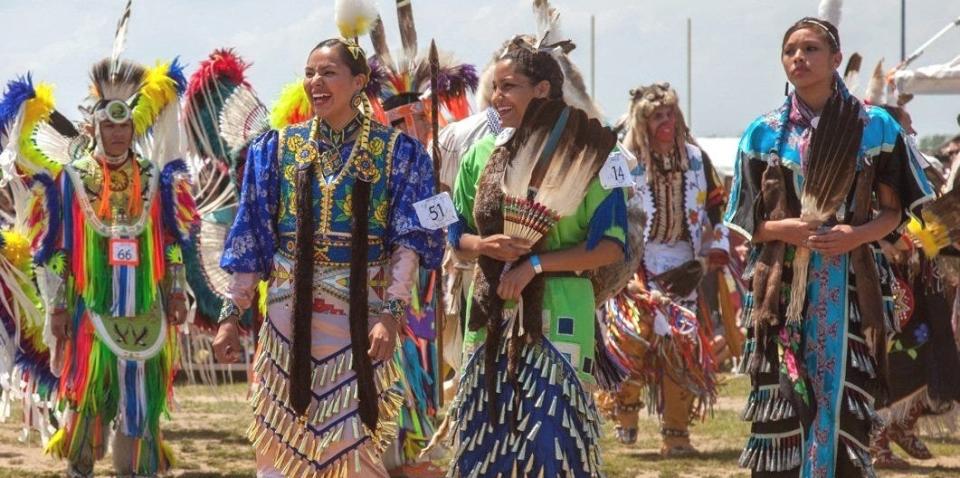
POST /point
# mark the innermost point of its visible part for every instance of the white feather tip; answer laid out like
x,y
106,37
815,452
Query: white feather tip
x,y
355,17
830,10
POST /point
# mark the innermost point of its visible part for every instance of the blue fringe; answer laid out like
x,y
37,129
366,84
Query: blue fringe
x,y
31,361
556,411
67,199
49,242
168,202
18,92
612,212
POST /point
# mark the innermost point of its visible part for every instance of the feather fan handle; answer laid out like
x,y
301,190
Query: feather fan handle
x,y
548,23
830,169
120,39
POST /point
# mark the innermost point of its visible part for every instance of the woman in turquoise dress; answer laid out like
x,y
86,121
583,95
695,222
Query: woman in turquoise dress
x,y
814,380
544,423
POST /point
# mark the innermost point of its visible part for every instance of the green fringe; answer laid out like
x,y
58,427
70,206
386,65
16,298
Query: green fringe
x,y
98,292
103,386
100,404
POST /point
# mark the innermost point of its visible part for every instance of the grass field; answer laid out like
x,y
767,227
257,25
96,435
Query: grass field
x,y
207,432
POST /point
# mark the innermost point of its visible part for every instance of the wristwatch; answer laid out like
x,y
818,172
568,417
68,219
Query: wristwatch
x,y
535,262
228,311
395,308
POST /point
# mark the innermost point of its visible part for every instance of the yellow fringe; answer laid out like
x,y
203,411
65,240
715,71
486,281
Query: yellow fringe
x,y
57,446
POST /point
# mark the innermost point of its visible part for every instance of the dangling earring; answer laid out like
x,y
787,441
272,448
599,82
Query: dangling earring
x,y
357,101
786,88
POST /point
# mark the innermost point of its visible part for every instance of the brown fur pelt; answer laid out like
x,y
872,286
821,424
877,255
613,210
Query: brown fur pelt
x,y
869,294
768,272
609,280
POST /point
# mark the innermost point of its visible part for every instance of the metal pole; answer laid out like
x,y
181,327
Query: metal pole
x,y
593,57
903,30
689,73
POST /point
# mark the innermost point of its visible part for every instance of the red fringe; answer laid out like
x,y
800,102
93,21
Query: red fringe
x,y
158,255
77,262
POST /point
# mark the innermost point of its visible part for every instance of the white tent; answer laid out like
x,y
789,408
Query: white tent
x,y
930,80
722,153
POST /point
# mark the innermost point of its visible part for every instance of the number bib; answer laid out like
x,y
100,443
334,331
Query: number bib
x,y
124,252
615,173
436,212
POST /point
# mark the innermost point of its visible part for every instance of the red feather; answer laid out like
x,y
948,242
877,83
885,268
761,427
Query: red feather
x,y
222,65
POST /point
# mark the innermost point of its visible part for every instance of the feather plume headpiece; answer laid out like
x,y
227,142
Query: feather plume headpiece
x,y
354,17
405,79
831,11
550,38
221,112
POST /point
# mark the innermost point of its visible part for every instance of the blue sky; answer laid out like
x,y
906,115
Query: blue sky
x,y
735,43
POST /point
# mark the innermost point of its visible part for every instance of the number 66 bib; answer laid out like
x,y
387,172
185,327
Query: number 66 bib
x,y
124,252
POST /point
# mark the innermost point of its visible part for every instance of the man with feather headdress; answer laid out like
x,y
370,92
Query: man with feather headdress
x,y
682,196
117,211
110,271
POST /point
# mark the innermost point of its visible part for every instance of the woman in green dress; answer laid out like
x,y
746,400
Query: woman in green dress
x,y
531,377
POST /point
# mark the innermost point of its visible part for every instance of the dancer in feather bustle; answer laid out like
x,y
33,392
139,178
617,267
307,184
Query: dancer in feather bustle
x,y
680,192
924,363
222,115
521,408
825,194
27,201
326,216
114,286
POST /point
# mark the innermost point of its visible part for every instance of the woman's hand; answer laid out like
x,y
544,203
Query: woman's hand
x,y
383,338
503,248
840,239
515,280
226,345
793,231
